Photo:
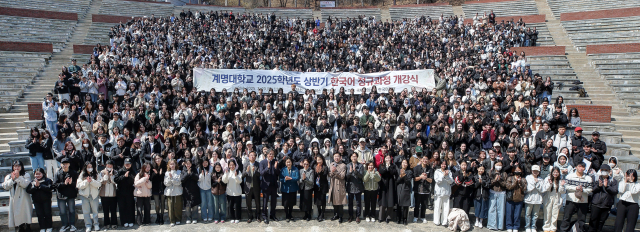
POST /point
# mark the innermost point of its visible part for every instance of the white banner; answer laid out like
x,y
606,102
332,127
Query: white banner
x,y
206,79
327,3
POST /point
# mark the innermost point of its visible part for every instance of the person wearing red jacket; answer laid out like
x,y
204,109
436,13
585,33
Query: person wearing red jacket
x,y
488,136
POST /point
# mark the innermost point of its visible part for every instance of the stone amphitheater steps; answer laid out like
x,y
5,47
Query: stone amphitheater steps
x,y
44,82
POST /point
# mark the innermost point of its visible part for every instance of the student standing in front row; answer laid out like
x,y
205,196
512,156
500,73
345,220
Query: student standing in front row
x,y
190,191
88,185
403,179
371,179
579,186
604,193
306,184
204,182
553,188
482,184
173,191
388,194
40,190
108,196
442,191
421,188
19,202
497,198
233,178
289,177
142,192
533,198
517,185
337,191
321,186
126,203
628,204
219,192
65,184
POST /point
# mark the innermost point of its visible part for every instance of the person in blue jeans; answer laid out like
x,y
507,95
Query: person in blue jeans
x,y
495,218
219,191
482,183
204,182
50,111
516,186
64,182
36,151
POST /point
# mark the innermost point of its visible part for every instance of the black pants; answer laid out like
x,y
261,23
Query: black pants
x,y
385,212
127,208
269,198
570,209
43,211
143,205
628,211
421,205
339,211
288,201
320,200
598,217
403,213
463,202
253,196
109,209
370,198
358,198
235,204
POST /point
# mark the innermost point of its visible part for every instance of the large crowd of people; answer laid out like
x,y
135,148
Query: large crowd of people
x,y
129,128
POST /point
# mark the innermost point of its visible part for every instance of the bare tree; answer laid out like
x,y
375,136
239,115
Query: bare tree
x,y
283,3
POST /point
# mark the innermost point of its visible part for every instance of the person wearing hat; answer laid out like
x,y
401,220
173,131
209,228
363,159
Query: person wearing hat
x,y
605,191
64,182
124,179
578,185
545,165
577,140
599,148
533,198
365,155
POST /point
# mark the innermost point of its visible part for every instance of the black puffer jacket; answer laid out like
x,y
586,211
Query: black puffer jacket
x,y
190,189
482,189
41,193
603,197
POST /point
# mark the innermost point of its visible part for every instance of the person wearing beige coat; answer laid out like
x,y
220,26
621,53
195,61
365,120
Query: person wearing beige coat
x,y
142,192
337,186
20,201
88,185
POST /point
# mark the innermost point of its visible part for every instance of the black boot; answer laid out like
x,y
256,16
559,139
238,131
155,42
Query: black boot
x,y
161,219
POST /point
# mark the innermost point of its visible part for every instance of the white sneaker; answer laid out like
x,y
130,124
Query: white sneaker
x,y
209,219
178,223
173,224
367,219
49,230
237,221
72,228
96,228
415,220
424,221
194,221
437,224
480,224
41,230
528,230
88,229
188,222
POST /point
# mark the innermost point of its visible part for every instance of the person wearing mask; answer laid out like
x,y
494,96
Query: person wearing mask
x,y
219,192
65,184
88,185
233,178
388,194
355,187
190,191
20,202
143,186
40,189
108,196
269,185
289,176
173,191
604,192
516,187
403,179
306,184
206,198
125,179
553,188
482,183
579,186
321,187
616,172
497,198
628,204
370,179
533,198
422,180
443,179
337,191
158,170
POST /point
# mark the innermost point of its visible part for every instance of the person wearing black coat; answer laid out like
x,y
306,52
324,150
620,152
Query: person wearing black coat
x,y
403,178
512,160
423,177
604,194
355,187
481,184
34,146
269,185
190,191
463,188
40,190
119,153
72,156
126,204
388,193
47,154
158,169
321,186
64,182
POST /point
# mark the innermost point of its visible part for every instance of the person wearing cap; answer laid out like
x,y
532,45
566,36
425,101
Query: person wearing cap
x,y
578,185
125,179
364,153
64,182
577,140
533,198
627,206
604,192
599,149
545,165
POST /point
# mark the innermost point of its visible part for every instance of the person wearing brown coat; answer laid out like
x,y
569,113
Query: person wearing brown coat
x,y
337,189
516,186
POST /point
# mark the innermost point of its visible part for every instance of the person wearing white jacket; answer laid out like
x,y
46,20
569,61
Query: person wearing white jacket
x,y
533,198
629,201
578,185
204,182
233,178
173,191
443,180
88,185
553,188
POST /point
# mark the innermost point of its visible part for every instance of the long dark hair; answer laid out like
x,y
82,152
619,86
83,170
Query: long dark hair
x,y
142,170
40,170
38,137
633,173
556,181
93,173
18,162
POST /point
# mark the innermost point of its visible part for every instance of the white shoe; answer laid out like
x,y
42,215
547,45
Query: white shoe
x,y
188,222
72,228
96,228
210,219
237,221
424,221
49,230
366,219
173,224
528,230
415,220
194,221
480,224
178,223
437,224
88,229
41,230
